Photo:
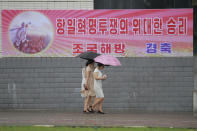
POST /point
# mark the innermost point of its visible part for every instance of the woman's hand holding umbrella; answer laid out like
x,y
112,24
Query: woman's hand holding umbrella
x,y
105,77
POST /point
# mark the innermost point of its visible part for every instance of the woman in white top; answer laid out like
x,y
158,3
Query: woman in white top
x,y
98,77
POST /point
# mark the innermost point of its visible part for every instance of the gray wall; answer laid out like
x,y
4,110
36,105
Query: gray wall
x,y
195,86
147,84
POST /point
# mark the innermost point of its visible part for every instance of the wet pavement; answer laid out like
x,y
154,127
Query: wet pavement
x,y
63,118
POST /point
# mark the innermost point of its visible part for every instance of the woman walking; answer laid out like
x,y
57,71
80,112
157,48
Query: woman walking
x,y
98,77
87,89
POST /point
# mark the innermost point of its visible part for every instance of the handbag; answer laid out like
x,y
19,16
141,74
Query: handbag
x,y
85,86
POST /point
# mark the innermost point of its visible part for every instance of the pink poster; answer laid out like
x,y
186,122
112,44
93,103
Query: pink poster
x,y
122,33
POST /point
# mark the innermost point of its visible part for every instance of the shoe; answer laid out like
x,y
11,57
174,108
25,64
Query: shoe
x,y
92,110
86,112
100,112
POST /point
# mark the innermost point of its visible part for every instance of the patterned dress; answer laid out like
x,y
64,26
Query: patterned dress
x,y
90,91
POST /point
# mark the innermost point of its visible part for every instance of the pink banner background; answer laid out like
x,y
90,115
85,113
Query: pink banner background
x,y
54,45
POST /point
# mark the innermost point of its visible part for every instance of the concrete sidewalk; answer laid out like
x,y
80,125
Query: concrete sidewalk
x,y
61,118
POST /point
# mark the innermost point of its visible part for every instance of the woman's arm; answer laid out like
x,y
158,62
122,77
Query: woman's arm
x,y
88,77
97,77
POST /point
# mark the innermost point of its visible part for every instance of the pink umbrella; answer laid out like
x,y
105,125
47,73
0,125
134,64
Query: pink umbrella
x,y
107,60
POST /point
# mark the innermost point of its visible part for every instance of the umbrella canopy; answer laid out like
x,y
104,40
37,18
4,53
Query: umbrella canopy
x,y
90,55
107,60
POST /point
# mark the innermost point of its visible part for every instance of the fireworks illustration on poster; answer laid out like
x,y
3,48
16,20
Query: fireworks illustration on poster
x,y
31,32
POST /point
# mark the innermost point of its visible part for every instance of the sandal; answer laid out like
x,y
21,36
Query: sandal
x,y
86,111
91,110
100,112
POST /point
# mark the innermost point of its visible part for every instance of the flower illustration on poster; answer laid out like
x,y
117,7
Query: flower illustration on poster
x,y
31,32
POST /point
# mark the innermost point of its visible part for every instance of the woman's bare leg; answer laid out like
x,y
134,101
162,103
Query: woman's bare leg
x,y
86,104
97,106
89,102
101,106
97,102
94,97
92,100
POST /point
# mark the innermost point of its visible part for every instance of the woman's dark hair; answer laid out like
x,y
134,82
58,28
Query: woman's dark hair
x,y
89,62
100,64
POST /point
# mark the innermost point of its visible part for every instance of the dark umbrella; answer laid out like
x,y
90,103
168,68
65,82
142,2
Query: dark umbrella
x,y
90,55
